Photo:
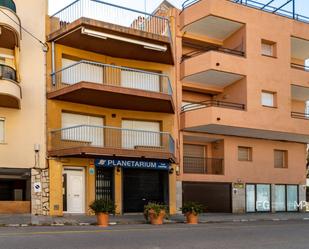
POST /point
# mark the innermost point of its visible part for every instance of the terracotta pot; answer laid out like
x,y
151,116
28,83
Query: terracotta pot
x,y
156,219
192,218
103,219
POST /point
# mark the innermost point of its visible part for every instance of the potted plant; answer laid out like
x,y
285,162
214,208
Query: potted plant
x,y
103,208
155,212
191,210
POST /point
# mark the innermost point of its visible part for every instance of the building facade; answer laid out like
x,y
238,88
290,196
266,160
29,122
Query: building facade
x,y
244,127
22,108
110,107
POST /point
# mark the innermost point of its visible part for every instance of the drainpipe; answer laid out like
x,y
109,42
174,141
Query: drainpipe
x,y
53,63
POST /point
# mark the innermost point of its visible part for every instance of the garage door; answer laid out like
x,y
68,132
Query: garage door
x,y
216,197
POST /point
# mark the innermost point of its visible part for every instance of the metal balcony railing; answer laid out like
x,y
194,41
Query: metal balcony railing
x,y
188,3
300,115
299,66
8,4
7,72
203,165
201,50
105,74
278,10
212,103
111,137
111,13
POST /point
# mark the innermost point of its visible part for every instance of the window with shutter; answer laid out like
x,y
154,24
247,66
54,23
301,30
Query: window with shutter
x,y
280,158
140,134
81,72
244,153
1,130
83,128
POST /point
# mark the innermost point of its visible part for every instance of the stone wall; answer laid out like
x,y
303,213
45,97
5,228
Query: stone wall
x,y
40,200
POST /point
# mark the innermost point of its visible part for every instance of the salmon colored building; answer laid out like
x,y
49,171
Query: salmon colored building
x,y
22,108
111,107
243,123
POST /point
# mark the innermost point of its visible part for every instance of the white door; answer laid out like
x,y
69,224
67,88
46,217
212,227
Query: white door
x,y
140,133
81,72
75,190
140,80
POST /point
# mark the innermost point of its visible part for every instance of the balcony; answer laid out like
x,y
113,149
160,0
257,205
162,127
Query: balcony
x,y
203,165
86,140
235,120
212,103
221,67
260,5
10,25
112,86
113,30
10,91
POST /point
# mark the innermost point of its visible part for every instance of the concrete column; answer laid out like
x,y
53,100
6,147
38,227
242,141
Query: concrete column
x,y
118,190
178,196
238,198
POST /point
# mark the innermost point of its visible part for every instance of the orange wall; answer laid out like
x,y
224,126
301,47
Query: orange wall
x,y
261,168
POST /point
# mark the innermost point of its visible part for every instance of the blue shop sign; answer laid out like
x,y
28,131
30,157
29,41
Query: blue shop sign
x,y
132,164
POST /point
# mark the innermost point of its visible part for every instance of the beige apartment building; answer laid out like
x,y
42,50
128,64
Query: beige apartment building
x,y
244,122
22,108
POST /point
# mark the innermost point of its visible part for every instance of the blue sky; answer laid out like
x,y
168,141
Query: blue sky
x,y
55,5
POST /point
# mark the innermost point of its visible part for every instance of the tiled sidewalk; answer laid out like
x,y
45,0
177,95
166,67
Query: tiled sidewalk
x,y
75,220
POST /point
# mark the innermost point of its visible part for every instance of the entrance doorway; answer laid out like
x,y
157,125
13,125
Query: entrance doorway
x,y
143,186
74,190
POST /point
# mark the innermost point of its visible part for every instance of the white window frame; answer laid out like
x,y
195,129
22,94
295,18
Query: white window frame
x,y
267,102
2,120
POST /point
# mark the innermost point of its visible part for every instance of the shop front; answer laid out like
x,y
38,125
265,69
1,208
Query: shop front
x,y
142,181
272,198
15,190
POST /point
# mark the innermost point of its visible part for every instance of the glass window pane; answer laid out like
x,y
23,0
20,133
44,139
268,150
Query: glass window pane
x,y
292,198
280,198
263,197
267,99
250,198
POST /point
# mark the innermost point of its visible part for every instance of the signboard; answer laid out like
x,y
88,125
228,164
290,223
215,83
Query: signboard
x,y
132,164
37,187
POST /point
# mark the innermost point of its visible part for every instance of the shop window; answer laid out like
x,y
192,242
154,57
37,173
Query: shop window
x,y
269,48
280,198
268,99
258,197
244,153
1,130
13,190
280,159
292,197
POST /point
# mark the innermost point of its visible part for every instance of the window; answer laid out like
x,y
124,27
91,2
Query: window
x,y
268,48
140,134
244,153
280,198
280,159
81,72
83,128
1,130
268,99
292,197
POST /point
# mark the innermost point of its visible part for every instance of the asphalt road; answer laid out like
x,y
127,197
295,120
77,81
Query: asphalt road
x,y
247,235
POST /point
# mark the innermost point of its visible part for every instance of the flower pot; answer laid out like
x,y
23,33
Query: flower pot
x,y
103,219
156,219
192,218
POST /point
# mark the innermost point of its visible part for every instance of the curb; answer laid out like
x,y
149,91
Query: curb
x,y
144,222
